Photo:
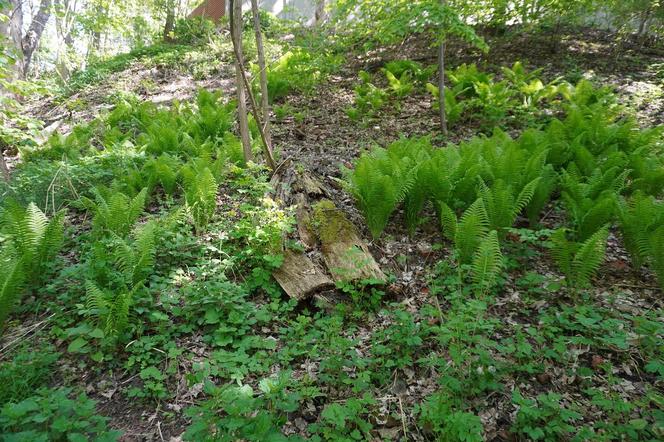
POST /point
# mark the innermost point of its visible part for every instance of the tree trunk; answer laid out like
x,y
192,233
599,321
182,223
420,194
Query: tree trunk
x,y
170,21
441,80
63,27
265,103
236,37
32,37
320,12
643,25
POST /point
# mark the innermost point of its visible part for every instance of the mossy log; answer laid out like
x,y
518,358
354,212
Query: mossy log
x,y
345,253
345,256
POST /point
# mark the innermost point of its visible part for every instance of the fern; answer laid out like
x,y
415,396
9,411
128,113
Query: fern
x,y
502,204
115,212
162,171
471,228
401,86
12,285
34,239
487,261
386,177
454,108
214,118
656,254
111,309
639,218
642,226
200,189
32,243
135,258
589,204
579,261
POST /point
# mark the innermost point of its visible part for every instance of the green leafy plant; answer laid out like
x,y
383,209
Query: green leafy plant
x,y
579,260
380,181
465,232
200,190
111,303
590,204
642,226
413,68
454,108
448,423
32,243
26,371
369,99
401,86
543,418
487,261
298,70
246,414
503,204
50,414
344,422
115,212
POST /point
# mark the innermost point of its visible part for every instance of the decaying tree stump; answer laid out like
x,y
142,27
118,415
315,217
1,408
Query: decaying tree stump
x,y
334,249
346,254
300,277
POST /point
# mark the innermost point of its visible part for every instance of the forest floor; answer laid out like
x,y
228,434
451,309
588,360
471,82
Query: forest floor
x,y
524,321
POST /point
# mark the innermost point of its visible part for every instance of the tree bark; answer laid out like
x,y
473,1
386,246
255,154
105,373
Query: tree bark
x,y
320,12
236,37
32,37
265,103
170,20
64,22
441,80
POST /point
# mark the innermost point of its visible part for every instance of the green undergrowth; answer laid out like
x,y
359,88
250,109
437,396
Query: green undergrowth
x,y
595,163
138,250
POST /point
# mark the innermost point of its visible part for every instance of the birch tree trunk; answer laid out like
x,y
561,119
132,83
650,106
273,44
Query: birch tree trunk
x,y
265,102
236,37
441,80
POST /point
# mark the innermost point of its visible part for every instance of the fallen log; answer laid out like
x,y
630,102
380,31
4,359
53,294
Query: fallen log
x,y
337,251
300,277
345,253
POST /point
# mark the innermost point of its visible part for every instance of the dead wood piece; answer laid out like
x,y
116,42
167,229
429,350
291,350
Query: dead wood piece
x,y
3,167
300,277
311,185
345,253
303,218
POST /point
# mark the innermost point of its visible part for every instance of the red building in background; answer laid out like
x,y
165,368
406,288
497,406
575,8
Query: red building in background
x,y
212,9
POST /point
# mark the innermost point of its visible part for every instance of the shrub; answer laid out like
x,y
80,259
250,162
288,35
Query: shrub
x,y
193,30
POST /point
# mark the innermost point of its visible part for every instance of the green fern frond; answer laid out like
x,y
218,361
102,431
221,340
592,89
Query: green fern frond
x,y
472,227
656,254
115,212
563,250
579,261
589,257
487,261
200,189
12,285
525,196
448,221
